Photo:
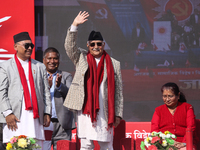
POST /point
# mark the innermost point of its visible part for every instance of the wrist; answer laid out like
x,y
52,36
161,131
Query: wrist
x,y
73,28
7,112
75,24
47,114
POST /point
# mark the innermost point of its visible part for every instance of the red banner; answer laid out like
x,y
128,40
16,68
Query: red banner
x,y
135,130
16,16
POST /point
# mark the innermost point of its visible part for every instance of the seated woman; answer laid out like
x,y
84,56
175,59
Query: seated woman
x,y
174,116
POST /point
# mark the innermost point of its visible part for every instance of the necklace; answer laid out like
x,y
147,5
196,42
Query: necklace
x,y
172,110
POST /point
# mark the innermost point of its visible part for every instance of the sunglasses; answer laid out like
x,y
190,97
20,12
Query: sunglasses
x,y
98,44
27,45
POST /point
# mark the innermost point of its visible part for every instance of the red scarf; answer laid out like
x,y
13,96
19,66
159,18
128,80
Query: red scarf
x,y
94,77
26,90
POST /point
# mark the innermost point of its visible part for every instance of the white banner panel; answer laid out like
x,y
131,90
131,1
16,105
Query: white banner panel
x,y
162,35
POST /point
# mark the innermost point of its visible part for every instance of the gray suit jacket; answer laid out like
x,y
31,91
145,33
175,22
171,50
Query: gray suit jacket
x,y
11,90
76,94
65,116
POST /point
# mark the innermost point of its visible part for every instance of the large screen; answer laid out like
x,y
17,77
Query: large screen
x,y
156,41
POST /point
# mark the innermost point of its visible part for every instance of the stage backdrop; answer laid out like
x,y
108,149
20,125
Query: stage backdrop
x,y
145,67
16,16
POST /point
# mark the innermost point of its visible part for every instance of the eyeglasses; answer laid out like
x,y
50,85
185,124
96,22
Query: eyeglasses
x,y
98,44
27,45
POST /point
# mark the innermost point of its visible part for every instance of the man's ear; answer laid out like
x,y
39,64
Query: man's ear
x,y
15,46
103,45
88,44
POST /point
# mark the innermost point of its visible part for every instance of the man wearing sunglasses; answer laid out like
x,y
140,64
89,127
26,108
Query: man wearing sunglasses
x,y
24,93
96,89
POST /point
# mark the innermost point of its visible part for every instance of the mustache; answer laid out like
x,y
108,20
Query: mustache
x,y
96,49
28,50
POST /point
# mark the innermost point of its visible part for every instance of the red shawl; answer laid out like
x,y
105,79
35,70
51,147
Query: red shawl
x,y
25,88
94,77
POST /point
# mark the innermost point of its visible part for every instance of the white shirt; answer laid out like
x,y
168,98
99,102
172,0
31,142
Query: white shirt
x,y
28,125
52,90
138,32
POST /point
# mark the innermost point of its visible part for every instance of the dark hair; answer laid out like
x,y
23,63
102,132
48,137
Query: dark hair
x,y
51,49
174,87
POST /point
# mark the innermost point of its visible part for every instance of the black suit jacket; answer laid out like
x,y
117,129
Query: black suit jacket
x,y
141,35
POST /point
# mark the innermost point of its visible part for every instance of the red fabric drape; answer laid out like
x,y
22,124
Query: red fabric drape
x,y
27,97
94,77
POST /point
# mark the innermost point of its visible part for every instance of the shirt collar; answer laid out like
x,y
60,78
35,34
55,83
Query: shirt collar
x,y
23,61
48,74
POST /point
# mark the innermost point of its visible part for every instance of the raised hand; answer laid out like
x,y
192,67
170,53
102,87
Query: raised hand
x,y
80,18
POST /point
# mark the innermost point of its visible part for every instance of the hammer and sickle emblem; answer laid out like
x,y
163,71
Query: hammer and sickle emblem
x,y
182,11
101,14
